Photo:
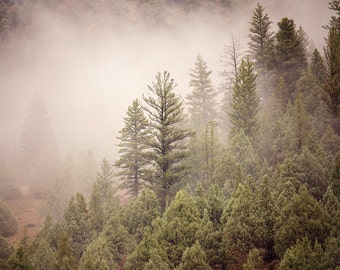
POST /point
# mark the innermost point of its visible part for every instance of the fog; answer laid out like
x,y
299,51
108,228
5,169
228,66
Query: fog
x,y
88,74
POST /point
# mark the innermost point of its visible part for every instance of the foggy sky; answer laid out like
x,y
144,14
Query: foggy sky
x,y
88,77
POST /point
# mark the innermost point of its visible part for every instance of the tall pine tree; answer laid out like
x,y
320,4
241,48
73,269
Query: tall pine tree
x,y
134,137
245,103
202,103
165,111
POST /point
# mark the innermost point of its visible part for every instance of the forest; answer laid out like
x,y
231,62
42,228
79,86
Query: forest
x,y
244,175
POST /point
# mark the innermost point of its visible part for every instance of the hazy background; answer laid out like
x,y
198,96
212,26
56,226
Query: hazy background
x,y
89,73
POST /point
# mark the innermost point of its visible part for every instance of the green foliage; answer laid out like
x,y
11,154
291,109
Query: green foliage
x,y
96,211
133,143
77,224
303,256
6,250
43,257
261,40
178,226
210,239
97,256
204,152
245,103
202,103
120,242
254,260
194,258
19,260
104,181
335,177
240,219
140,213
290,57
64,255
317,66
8,223
301,216
165,112
331,86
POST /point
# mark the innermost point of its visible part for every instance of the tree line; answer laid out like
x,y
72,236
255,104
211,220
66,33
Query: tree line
x,y
250,183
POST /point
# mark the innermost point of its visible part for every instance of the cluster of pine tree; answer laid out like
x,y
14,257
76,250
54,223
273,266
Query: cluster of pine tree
x,y
262,188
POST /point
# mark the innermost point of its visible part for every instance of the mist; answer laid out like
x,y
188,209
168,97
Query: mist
x,y
89,73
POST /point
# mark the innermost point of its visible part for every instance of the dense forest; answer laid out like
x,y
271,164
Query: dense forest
x,y
245,175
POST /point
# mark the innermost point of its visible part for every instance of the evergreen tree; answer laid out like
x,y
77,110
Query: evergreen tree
x,y
202,104
77,225
120,242
43,257
231,60
303,256
140,213
104,181
64,256
194,258
96,211
331,86
178,227
6,250
19,260
290,57
97,256
254,260
335,176
38,147
317,66
302,216
245,103
165,113
261,39
248,219
134,138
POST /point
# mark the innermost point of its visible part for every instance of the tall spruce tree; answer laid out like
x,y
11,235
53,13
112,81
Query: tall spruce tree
x,y
245,103
134,137
261,39
290,56
165,112
331,86
202,103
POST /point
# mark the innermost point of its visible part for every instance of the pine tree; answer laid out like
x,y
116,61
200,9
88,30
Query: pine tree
x,y
134,138
261,39
96,211
245,103
302,216
104,180
194,258
77,224
231,59
317,66
303,256
140,213
290,57
331,86
202,103
165,112
64,256
335,177
6,250
178,227
97,256
19,260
